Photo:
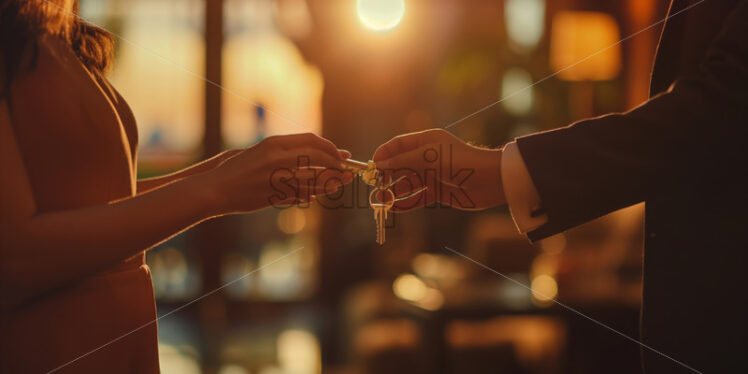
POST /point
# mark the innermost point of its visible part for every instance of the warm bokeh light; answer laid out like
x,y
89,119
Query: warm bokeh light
x,y
584,46
409,287
174,360
544,288
517,91
432,299
380,15
299,352
284,279
291,220
232,369
440,268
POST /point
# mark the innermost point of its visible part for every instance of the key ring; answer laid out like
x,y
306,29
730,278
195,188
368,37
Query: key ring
x,y
408,196
386,202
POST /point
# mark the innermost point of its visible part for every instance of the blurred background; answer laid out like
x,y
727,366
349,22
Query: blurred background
x,y
360,72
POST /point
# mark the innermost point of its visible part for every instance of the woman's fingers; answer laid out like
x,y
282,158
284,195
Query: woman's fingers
x,y
344,153
323,180
307,182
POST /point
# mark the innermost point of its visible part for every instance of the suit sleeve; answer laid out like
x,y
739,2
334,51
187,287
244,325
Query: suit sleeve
x,y
521,195
599,165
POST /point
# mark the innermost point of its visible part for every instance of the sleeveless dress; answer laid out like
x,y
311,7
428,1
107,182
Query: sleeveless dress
x,y
101,323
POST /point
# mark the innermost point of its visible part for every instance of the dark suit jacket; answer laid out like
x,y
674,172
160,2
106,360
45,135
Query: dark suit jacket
x,y
683,152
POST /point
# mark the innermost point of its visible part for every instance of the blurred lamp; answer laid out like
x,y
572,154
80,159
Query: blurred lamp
x,y
584,46
380,15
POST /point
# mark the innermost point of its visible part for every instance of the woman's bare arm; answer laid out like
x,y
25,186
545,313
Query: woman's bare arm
x,y
40,251
147,184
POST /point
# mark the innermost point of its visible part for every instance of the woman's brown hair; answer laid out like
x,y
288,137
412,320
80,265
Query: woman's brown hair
x,y
22,22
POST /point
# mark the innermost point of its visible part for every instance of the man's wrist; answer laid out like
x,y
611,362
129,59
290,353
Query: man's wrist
x,y
489,176
521,195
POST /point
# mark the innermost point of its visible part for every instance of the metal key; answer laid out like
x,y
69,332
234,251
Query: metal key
x,y
366,170
381,209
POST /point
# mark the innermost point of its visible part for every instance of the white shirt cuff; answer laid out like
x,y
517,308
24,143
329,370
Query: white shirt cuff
x,y
521,194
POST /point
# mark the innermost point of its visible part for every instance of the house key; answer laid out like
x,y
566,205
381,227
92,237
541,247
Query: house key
x,y
381,208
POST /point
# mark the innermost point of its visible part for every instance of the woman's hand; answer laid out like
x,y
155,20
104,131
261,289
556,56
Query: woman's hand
x,y
278,171
455,173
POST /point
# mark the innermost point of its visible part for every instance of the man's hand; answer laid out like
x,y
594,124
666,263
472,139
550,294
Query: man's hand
x,y
455,173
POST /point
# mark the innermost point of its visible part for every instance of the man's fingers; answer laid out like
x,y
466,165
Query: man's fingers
x,y
394,146
309,157
305,140
408,185
412,160
443,194
426,197
408,142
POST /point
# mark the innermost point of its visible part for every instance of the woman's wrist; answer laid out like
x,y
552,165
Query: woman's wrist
x,y
205,193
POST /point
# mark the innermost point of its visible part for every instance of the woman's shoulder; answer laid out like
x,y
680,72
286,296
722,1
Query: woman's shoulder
x,y
40,75
46,98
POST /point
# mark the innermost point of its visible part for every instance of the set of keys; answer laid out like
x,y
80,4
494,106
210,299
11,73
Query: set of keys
x,y
381,198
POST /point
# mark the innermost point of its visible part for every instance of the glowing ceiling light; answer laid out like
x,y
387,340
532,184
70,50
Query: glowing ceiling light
x,y
380,15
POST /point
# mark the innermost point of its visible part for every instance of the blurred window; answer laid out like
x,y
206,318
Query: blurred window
x,y
159,59
263,67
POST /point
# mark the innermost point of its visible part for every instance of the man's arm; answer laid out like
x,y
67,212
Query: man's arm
x,y
599,165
